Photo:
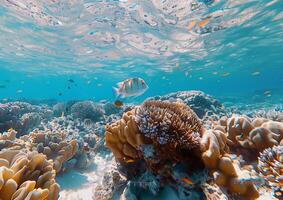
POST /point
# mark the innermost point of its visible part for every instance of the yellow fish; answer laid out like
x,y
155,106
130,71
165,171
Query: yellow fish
x,y
188,181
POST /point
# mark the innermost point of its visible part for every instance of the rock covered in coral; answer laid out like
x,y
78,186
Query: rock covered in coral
x,y
87,110
27,176
270,166
22,116
201,103
8,140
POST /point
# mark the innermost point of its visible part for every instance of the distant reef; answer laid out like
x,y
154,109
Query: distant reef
x,y
187,140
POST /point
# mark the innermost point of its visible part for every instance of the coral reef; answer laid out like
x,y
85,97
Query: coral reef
x,y
27,176
87,110
225,170
201,103
54,145
270,166
22,117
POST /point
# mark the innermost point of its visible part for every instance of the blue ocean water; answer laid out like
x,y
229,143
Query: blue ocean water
x,y
225,48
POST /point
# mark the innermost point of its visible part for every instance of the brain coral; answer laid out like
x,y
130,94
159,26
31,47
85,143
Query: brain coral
x,y
173,124
28,176
54,145
270,166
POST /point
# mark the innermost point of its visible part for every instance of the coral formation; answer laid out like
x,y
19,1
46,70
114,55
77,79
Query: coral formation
x,y
172,124
21,116
270,166
87,110
27,176
54,145
226,171
123,138
201,103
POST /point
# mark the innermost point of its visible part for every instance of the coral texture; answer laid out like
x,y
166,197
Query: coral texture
x,y
270,166
258,133
124,138
54,145
226,171
172,124
201,103
87,109
27,176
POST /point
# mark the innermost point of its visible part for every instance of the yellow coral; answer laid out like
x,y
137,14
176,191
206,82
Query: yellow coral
x,y
124,138
226,172
54,145
26,176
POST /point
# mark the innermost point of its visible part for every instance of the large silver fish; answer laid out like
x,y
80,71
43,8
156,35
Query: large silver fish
x,y
131,87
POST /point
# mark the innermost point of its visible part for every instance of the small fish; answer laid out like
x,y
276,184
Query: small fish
x,y
130,161
118,103
99,84
88,82
131,87
62,115
69,87
267,92
255,73
204,22
60,94
71,80
192,24
19,91
188,181
2,86
226,74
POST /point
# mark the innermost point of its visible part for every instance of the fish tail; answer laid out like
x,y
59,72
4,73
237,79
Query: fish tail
x,y
116,91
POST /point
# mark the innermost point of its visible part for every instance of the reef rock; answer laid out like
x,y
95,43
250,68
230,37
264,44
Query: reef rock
x,y
87,110
201,103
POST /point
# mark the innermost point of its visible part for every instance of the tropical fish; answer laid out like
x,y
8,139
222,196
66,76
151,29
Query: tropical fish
x,y
71,80
2,86
204,22
192,24
19,91
188,181
60,94
131,87
118,103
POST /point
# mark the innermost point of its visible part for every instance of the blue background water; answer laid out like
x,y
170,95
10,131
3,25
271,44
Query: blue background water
x,y
38,57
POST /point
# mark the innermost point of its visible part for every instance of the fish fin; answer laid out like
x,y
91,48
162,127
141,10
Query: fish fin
x,y
116,91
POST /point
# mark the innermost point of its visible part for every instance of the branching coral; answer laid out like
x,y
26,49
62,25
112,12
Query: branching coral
x,y
54,145
270,166
87,109
27,176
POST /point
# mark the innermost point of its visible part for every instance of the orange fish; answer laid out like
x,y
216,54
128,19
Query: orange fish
x,y
188,181
204,22
130,161
118,103
192,24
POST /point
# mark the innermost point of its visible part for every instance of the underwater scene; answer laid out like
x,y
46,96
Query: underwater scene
x,y
141,99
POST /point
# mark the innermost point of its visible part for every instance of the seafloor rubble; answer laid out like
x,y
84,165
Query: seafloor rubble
x,y
183,145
